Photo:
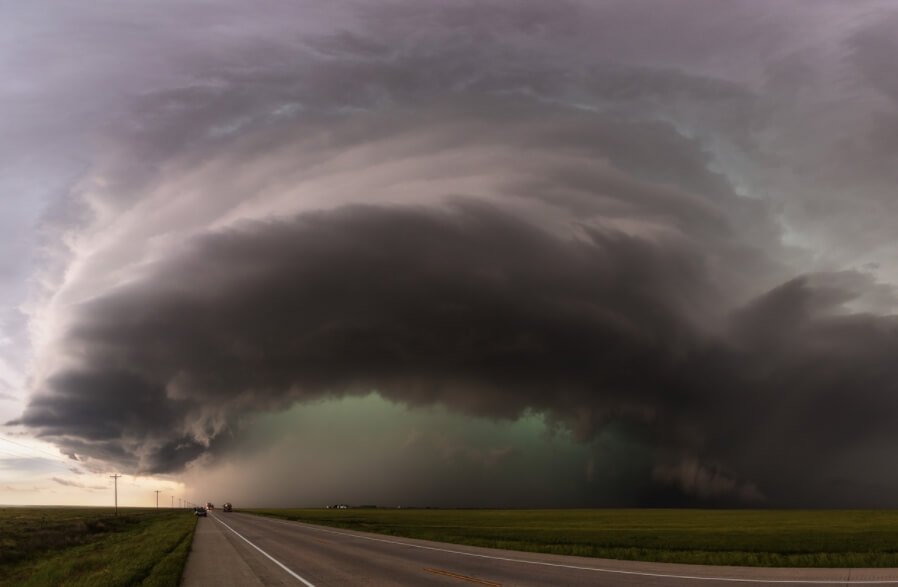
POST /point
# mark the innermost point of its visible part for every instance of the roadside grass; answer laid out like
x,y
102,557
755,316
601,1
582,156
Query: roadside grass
x,y
91,547
763,538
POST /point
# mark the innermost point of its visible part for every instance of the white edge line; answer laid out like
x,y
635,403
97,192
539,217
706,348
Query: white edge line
x,y
274,560
593,569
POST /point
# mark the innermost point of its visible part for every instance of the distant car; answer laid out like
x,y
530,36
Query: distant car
x,y
226,507
209,505
199,512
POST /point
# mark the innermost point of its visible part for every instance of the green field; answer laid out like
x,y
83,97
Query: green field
x,y
771,538
93,547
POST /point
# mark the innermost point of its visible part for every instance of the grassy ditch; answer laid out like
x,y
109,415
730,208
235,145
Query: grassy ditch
x,y
92,547
769,538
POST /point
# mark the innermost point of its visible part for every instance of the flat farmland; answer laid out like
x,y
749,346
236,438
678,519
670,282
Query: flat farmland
x,y
92,546
769,538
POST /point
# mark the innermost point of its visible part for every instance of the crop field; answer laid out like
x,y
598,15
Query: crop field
x,y
92,547
773,538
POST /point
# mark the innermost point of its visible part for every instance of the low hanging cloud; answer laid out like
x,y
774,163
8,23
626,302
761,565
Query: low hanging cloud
x,y
69,483
493,209
706,483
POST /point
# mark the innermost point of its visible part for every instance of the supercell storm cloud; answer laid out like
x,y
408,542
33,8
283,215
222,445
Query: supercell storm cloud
x,y
671,219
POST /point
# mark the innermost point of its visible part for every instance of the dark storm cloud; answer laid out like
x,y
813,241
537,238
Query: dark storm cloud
x,y
476,310
472,308
501,208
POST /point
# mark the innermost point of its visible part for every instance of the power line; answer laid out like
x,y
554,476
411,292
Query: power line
x,y
12,454
61,464
34,448
58,460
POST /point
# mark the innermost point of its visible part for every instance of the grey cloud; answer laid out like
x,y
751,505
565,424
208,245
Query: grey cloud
x,y
871,49
68,483
329,77
34,489
28,464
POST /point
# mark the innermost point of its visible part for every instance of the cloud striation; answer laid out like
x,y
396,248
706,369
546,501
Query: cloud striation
x,y
488,208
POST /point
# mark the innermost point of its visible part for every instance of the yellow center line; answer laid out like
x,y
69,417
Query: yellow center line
x,y
463,577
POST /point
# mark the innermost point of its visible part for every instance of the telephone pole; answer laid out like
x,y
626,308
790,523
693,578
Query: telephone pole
x,y
115,478
157,499
173,501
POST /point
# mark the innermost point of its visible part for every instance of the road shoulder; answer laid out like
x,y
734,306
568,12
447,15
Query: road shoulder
x,y
221,559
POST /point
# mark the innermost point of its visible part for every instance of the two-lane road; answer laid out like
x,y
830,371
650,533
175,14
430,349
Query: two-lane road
x,y
246,550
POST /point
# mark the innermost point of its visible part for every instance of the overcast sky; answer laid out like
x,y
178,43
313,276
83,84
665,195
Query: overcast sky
x,y
450,253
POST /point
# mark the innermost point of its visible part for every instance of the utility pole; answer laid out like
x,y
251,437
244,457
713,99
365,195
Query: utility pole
x,y
157,499
115,478
173,501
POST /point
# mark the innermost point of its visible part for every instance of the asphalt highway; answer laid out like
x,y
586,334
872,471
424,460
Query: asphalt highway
x,y
233,549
